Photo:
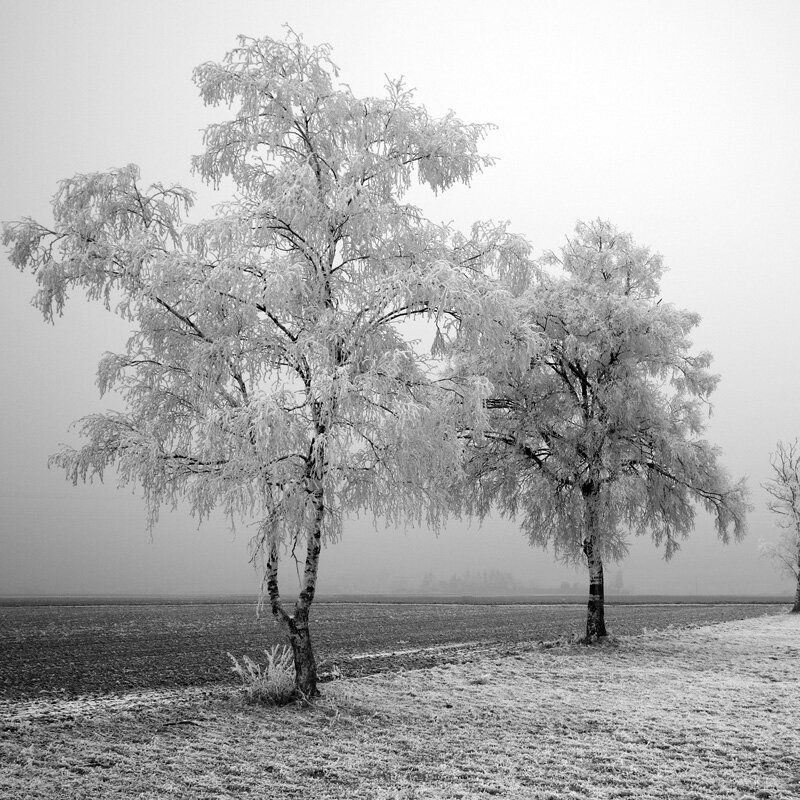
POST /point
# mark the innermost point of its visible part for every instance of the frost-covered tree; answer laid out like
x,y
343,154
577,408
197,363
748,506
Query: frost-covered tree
x,y
600,432
784,491
267,373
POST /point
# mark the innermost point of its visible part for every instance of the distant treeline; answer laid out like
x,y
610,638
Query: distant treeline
x,y
494,582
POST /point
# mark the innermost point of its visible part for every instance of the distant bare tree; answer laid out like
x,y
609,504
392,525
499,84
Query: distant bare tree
x,y
784,491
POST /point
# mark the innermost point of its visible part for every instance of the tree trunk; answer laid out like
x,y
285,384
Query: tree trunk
x,y
305,665
796,606
596,611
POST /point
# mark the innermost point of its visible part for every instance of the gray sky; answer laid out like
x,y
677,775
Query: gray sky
x,y
677,121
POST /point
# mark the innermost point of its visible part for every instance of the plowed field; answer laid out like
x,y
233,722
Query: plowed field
x,y
70,651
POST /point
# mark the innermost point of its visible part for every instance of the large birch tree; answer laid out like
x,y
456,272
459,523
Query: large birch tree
x,y
601,433
267,373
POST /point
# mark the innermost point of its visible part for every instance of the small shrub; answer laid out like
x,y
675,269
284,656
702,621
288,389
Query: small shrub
x,y
271,685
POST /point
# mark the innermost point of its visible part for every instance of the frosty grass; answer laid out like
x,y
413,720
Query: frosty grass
x,y
708,712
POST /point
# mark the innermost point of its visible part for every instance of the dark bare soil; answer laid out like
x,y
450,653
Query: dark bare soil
x,y
70,651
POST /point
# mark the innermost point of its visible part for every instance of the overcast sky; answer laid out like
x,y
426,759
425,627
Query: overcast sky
x,y
677,121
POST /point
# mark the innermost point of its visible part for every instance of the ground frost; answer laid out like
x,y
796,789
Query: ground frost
x,y
706,713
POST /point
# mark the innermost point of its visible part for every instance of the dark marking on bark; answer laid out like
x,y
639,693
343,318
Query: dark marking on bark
x,y
595,612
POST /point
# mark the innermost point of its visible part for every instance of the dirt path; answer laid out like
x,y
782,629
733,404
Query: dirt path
x,y
704,713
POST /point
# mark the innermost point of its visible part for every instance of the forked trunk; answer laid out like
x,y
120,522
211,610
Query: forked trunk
x,y
305,664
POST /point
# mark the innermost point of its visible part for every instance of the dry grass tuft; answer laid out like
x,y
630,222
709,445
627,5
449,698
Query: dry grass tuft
x,y
708,713
272,684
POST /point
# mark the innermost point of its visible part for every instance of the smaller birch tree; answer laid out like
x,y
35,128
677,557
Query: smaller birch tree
x,y
600,432
784,491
